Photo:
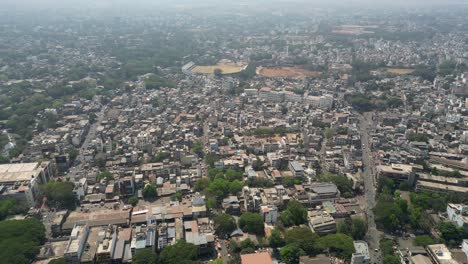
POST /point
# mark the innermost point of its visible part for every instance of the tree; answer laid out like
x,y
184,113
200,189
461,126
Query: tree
x,y
59,194
4,160
7,207
20,240
161,156
339,244
144,256
149,192
177,196
359,228
198,148
451,233
291,253
72,154
133,200
252,223
276,239
219,188
235,187
302,237
295,214
92,118
105,175
247,244
218,73
58,261
201,184
224,224
423,241
391,259
180,252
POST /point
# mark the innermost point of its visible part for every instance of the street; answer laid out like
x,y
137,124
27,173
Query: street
x,y
367,125
75,172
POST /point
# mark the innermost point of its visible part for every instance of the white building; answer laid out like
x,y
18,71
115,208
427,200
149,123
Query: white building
x,y
76,243
362,253
458,214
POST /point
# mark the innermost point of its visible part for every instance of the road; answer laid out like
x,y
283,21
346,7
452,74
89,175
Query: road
x,y
367,125
75,172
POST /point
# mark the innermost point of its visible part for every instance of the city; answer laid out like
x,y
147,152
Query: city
x,y
247,133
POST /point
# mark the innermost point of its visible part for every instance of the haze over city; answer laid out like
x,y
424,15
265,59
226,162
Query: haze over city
x,y
250,132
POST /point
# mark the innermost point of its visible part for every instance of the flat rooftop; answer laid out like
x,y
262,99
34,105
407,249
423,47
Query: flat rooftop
x,y
19,171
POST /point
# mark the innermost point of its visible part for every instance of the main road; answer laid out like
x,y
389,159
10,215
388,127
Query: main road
x,y
367,126
76,171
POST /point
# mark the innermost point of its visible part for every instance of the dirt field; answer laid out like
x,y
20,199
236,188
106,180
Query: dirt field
x,y
399,71
227,69
285,72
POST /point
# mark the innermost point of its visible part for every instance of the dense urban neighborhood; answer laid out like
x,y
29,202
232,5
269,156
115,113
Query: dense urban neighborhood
x,y
250,133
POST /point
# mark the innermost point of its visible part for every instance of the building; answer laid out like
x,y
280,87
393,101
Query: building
x,y
21,181
398,172
269,213
440,254
362,253
76,243
321,222
458,214
296,168
256,258
465,247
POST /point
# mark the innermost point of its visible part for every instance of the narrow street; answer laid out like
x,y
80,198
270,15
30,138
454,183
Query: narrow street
x,y
370,185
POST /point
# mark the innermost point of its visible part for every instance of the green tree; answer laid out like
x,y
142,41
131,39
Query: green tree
x,y
219,188
105,175
295,214
198,148
7,207
180,252
247,244
359,228
291,253
144,256
161,156
339,244
133,200
177,196
252,223
345,185
149,192
20,240
59,194
72,154
451,233
218,73
302,237
224,224
4,160
276,239
201,184
58,261
235,187
390,259
423,241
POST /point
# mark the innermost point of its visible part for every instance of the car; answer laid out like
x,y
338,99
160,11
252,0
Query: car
x,y
376,250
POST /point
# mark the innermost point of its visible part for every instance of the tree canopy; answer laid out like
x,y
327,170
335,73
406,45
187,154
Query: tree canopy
x,y
180,252
144,256
149,192
295,214
20,240
224,224
303,237
338,244
60,194
252,223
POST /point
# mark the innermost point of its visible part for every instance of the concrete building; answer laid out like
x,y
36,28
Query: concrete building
x,y
269,213
458,214
397,172
76,243
440,254
21,181
296,168
362,253
321,222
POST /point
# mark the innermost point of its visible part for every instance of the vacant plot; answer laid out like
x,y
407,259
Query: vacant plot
x,y
400,71
227,69
285,72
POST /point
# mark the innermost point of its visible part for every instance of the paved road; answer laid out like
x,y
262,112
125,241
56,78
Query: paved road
x,y
76,171
367,125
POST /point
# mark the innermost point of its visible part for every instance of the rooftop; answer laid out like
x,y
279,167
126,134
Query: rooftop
x,y
256,258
